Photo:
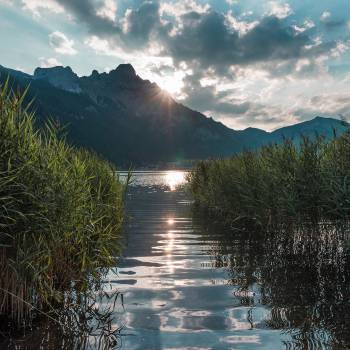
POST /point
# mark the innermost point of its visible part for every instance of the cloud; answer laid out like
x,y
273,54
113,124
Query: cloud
x,y
100,46
61,44
307,25
36,6
205,97
176,9
49,62
280,10
108,10
7,2
89,14
282,102
329,22
326,104
132,31
244,68
326,15
139,24
235,104
242,27
208,39
162,69
196,33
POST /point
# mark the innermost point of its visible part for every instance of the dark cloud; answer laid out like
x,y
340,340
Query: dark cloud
x,y
206,98
272,39
333,24
205,38
209,40
140,22
86,12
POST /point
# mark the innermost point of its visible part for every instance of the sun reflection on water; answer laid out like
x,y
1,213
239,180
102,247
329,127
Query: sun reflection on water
x,y
174,179
171,221
170,244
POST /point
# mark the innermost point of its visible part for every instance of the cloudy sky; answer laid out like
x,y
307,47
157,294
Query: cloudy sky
x,y
247,63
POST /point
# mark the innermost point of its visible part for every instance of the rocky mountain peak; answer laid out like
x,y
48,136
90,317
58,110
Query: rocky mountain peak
x,y
94,74
51,71
124,71
61,77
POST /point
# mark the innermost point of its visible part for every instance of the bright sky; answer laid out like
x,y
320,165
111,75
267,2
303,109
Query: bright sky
x,y
248,63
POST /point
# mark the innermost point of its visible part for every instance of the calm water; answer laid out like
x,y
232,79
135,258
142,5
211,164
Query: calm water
x,y
185,282
189,284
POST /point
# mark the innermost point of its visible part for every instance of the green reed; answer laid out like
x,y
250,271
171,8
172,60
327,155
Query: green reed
x,y
61,213
309,181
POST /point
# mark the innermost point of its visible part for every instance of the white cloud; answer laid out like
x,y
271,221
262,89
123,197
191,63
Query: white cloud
x,y
280,10
232,2
7,2
35,6
61,44
340,48
241,26
105,47
100,46
108,10
49,62
179,8
308,24
325,16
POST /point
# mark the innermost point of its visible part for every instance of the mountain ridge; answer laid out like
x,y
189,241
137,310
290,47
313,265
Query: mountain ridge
x,y
128,119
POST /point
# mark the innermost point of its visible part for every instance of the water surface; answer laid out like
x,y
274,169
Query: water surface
x,y
188,282
191,284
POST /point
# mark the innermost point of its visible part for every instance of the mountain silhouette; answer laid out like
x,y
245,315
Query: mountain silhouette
x,y
129,120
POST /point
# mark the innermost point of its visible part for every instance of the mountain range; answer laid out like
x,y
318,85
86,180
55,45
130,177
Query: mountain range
x,y
129,120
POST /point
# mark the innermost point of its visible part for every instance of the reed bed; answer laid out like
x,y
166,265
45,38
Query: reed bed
x,y
61,213
279,182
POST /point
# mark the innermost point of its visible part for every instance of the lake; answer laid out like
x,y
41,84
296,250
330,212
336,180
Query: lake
x,y
189,283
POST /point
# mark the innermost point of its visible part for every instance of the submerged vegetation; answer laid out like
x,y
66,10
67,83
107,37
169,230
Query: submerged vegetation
x,y
298,274
309,181
86,323
61,213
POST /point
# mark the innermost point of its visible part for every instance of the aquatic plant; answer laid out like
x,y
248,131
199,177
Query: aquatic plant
x,y
298,273
87,322
61,213
308,181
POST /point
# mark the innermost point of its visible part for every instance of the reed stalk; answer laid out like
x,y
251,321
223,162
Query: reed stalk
x,y
279,182
61,213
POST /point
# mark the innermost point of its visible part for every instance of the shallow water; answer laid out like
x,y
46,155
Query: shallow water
x,y
189,284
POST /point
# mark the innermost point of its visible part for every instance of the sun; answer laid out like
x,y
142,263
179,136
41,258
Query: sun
x,y
171,84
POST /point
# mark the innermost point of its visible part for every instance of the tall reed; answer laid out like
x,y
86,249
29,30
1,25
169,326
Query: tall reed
x,y
61,213
308,181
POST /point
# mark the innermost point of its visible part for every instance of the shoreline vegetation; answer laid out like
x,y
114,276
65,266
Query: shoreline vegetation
x,y
61,215
277,184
